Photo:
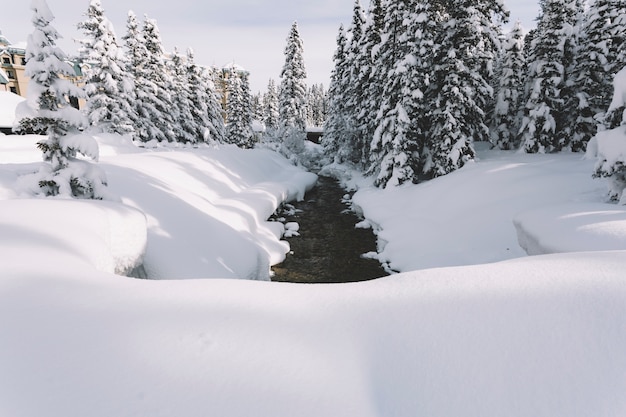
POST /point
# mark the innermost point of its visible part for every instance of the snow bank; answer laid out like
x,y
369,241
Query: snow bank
x,y
207,209
107,236
541,336
572,228
8,104
466,217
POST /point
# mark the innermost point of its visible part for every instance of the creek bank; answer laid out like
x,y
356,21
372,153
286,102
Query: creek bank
x,y
327,247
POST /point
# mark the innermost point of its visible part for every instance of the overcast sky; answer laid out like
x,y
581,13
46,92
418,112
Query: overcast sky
x,y
252,33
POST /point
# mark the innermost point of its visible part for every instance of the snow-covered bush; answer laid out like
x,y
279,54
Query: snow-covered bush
x,y
610,146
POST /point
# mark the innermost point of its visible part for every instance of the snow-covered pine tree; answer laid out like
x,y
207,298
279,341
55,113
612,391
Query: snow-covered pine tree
x,y
238,128
370,79
350,149
510,90
109,89
616,39
198,98
216,129
147,113
48,96
335,125
395,150
155,70
292,95
543,127
185,125
270,106
460,88
317,104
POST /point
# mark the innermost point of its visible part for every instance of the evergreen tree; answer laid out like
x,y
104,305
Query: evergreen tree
x,y
238,129
351,142
460,88
109,90
48,95
369,80
616,40
270,106
292,96
216,128
198,99
185,124
509,95
394,147
335,125
544,125
147,113
156,74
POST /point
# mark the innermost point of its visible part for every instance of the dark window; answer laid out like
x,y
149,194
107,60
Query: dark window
x,y
14,90
11,75
6,60
23,61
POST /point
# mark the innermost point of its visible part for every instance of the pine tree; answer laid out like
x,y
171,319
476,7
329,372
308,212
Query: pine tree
x,y
145,128
544,125
616,40
238,129
156,74
185,124
460,88
369,80
292,96
395,151
216,128
351,142
48,94
509,94
109,90
335,125
270,106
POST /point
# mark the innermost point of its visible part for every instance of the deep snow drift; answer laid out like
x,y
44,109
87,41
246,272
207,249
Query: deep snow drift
x,y
541,336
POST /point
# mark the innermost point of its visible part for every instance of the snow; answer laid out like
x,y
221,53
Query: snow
x,y
529,335
8,104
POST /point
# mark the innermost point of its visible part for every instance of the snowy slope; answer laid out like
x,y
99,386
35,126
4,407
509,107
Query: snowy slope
x,y
540,336
535,336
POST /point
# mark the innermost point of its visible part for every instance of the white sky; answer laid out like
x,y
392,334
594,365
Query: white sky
x,y
251,33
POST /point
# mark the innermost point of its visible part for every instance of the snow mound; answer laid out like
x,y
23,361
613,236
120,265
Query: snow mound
x,y
107,236
572,228
8,104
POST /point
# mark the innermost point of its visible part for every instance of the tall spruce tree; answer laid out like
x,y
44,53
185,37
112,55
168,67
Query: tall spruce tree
x,y
395,147
292,95
351,141
335,125
110,96
238,128
147,113
49,95
509,95
368,84
460,88
185,124
616,40
157,75
544,125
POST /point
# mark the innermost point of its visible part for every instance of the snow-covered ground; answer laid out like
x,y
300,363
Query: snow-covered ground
x,y
541,335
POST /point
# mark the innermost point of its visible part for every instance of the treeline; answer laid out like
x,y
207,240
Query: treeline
x,y
417,82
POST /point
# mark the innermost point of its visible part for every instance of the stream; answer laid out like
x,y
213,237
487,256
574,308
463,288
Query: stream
x,y
329,247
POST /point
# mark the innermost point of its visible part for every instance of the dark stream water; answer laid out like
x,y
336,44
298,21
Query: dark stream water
x,y
329,247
